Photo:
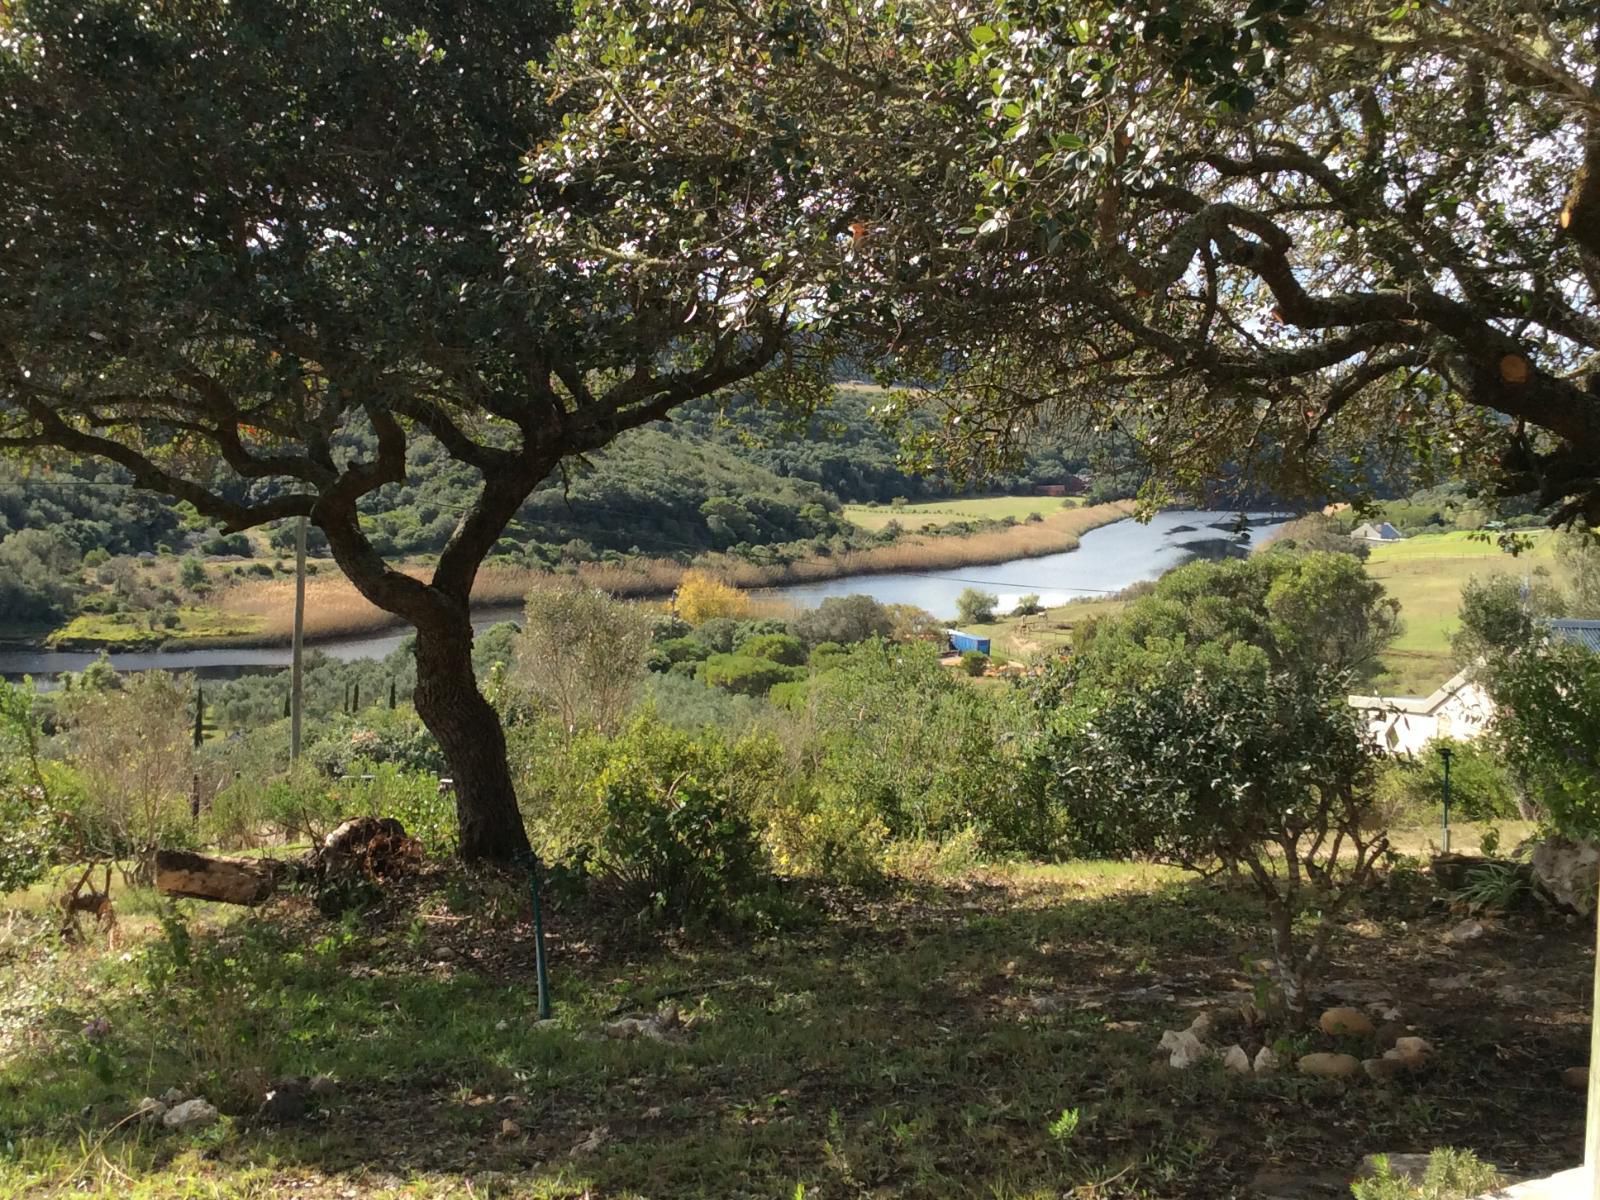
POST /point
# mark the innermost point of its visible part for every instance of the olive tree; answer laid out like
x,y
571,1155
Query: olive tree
x,y
251,253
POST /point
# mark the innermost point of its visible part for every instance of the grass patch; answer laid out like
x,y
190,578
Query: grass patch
x,y
948,512
893,1046
125,631
1426,574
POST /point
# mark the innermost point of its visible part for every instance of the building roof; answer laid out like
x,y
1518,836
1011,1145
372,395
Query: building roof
x,y
1383,532
1575,632
1422,705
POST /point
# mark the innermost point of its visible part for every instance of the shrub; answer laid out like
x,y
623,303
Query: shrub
x,y
666,815
376,735
781,648
1451,1175
1481,786
974,662
192,572
844,619
1208,758
975,607
31,825
581,655
666,654
702,596
718,634
746,676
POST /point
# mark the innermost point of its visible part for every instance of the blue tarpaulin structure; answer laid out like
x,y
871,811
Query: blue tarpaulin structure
x,y
962,642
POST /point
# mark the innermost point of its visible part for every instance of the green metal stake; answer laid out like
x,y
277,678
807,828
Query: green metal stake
x,y
540,966
1444,753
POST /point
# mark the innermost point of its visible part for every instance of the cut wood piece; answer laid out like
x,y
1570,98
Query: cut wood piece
x,y
229,880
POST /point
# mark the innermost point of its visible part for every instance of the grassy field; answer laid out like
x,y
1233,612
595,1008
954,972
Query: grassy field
x,y
1426,573
946,512
991,1035
1020,639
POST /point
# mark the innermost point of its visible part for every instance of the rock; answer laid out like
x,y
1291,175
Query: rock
x,y
510,1129
1047,1004
1409,1167
1235,1059
1467,931
190,1116
1576,1078
1185,1049
1413,1052
1382,1069
149,1109
1202,1026
1266,1062
1329,1066
660,1028
1346,1022
173,1096
1358,991
1565,871
323,1087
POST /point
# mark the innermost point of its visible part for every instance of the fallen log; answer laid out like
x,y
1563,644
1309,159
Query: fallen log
x,y
229,880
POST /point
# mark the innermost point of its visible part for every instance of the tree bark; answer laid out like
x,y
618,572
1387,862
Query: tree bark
x,y
469,732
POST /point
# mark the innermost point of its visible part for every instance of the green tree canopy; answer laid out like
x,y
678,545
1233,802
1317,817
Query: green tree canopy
x,y
1300,235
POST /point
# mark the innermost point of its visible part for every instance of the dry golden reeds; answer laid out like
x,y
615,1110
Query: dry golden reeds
x,y
334,608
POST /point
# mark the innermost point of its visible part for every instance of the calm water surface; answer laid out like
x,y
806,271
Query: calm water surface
x,y
1108,560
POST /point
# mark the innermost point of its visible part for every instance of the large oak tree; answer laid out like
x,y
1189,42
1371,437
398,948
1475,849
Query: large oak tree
x,y
239,238
1293,234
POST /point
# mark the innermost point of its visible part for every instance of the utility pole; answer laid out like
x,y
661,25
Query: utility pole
x,y
296,695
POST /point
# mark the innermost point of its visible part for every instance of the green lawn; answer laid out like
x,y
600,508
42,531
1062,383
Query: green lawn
x,y
925,1040
1426,573
965,508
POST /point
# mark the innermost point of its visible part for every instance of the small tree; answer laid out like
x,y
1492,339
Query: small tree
x,y
132,746
1027,606
1215,762
703,597
976,607
1500,614
192,573
974,662
582,655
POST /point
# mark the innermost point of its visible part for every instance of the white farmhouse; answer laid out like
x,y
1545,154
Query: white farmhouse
x,y
1383,532
1458,709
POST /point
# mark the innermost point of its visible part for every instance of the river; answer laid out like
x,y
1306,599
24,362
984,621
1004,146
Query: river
x,y
1108,560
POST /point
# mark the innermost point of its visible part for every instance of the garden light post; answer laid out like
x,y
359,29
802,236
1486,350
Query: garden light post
x,y
1445,754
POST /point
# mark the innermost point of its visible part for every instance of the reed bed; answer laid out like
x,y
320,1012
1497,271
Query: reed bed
x,y
334,608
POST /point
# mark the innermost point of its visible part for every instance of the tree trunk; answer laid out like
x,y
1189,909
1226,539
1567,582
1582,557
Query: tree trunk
x,y
230,880
469,732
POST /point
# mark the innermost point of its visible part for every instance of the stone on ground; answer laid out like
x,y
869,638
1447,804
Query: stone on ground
x,y
1235,1059
190,1115
1346,1022
1185,1048
1266,1062
1329,1066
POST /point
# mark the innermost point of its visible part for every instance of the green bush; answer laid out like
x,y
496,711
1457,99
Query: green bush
x,y
782,648
1481,786
668,654
1451,1175
667,815
746,676
974,662
376,735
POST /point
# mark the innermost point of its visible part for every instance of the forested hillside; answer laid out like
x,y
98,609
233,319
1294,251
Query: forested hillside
x,y
721,474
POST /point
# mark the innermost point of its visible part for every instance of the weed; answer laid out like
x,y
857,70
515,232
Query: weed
x,y
1451,1175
